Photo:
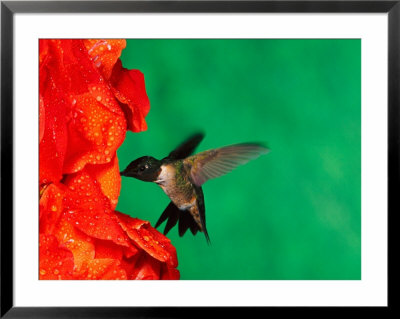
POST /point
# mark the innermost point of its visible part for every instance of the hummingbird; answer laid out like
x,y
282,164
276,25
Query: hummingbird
x,y
181,176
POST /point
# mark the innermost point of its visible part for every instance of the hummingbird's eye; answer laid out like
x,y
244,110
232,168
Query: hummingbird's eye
x,y
142,168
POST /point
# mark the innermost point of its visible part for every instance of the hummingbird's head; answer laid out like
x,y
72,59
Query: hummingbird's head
x,y
145,168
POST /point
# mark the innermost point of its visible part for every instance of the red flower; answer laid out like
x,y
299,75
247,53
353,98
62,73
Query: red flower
x,y
87,102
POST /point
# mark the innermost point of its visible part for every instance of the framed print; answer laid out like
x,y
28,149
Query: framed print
x,y
165,157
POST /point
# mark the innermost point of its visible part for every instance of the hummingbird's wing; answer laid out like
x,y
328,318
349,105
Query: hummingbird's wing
x,y
186,148
202,211
217,162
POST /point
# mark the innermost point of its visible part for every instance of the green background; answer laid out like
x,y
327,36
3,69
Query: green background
x,y
294,213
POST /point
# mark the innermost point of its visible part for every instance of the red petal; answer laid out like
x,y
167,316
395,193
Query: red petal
x,y
149,239
106,269
81,246
129,264
147,268
50,207
104,53
55,262
95,132
74,91
109,179
169,273
107,249
129,89
130,251
75,71
53,130
41,118
43,51
89,210
79,76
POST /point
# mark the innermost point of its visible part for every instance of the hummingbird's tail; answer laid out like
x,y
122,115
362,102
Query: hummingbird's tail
x,y
173,214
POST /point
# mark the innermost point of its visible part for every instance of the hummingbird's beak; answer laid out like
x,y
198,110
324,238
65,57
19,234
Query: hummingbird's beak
x,y
122,173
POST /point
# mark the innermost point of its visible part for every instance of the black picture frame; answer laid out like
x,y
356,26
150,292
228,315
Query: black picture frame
x,y
9,8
